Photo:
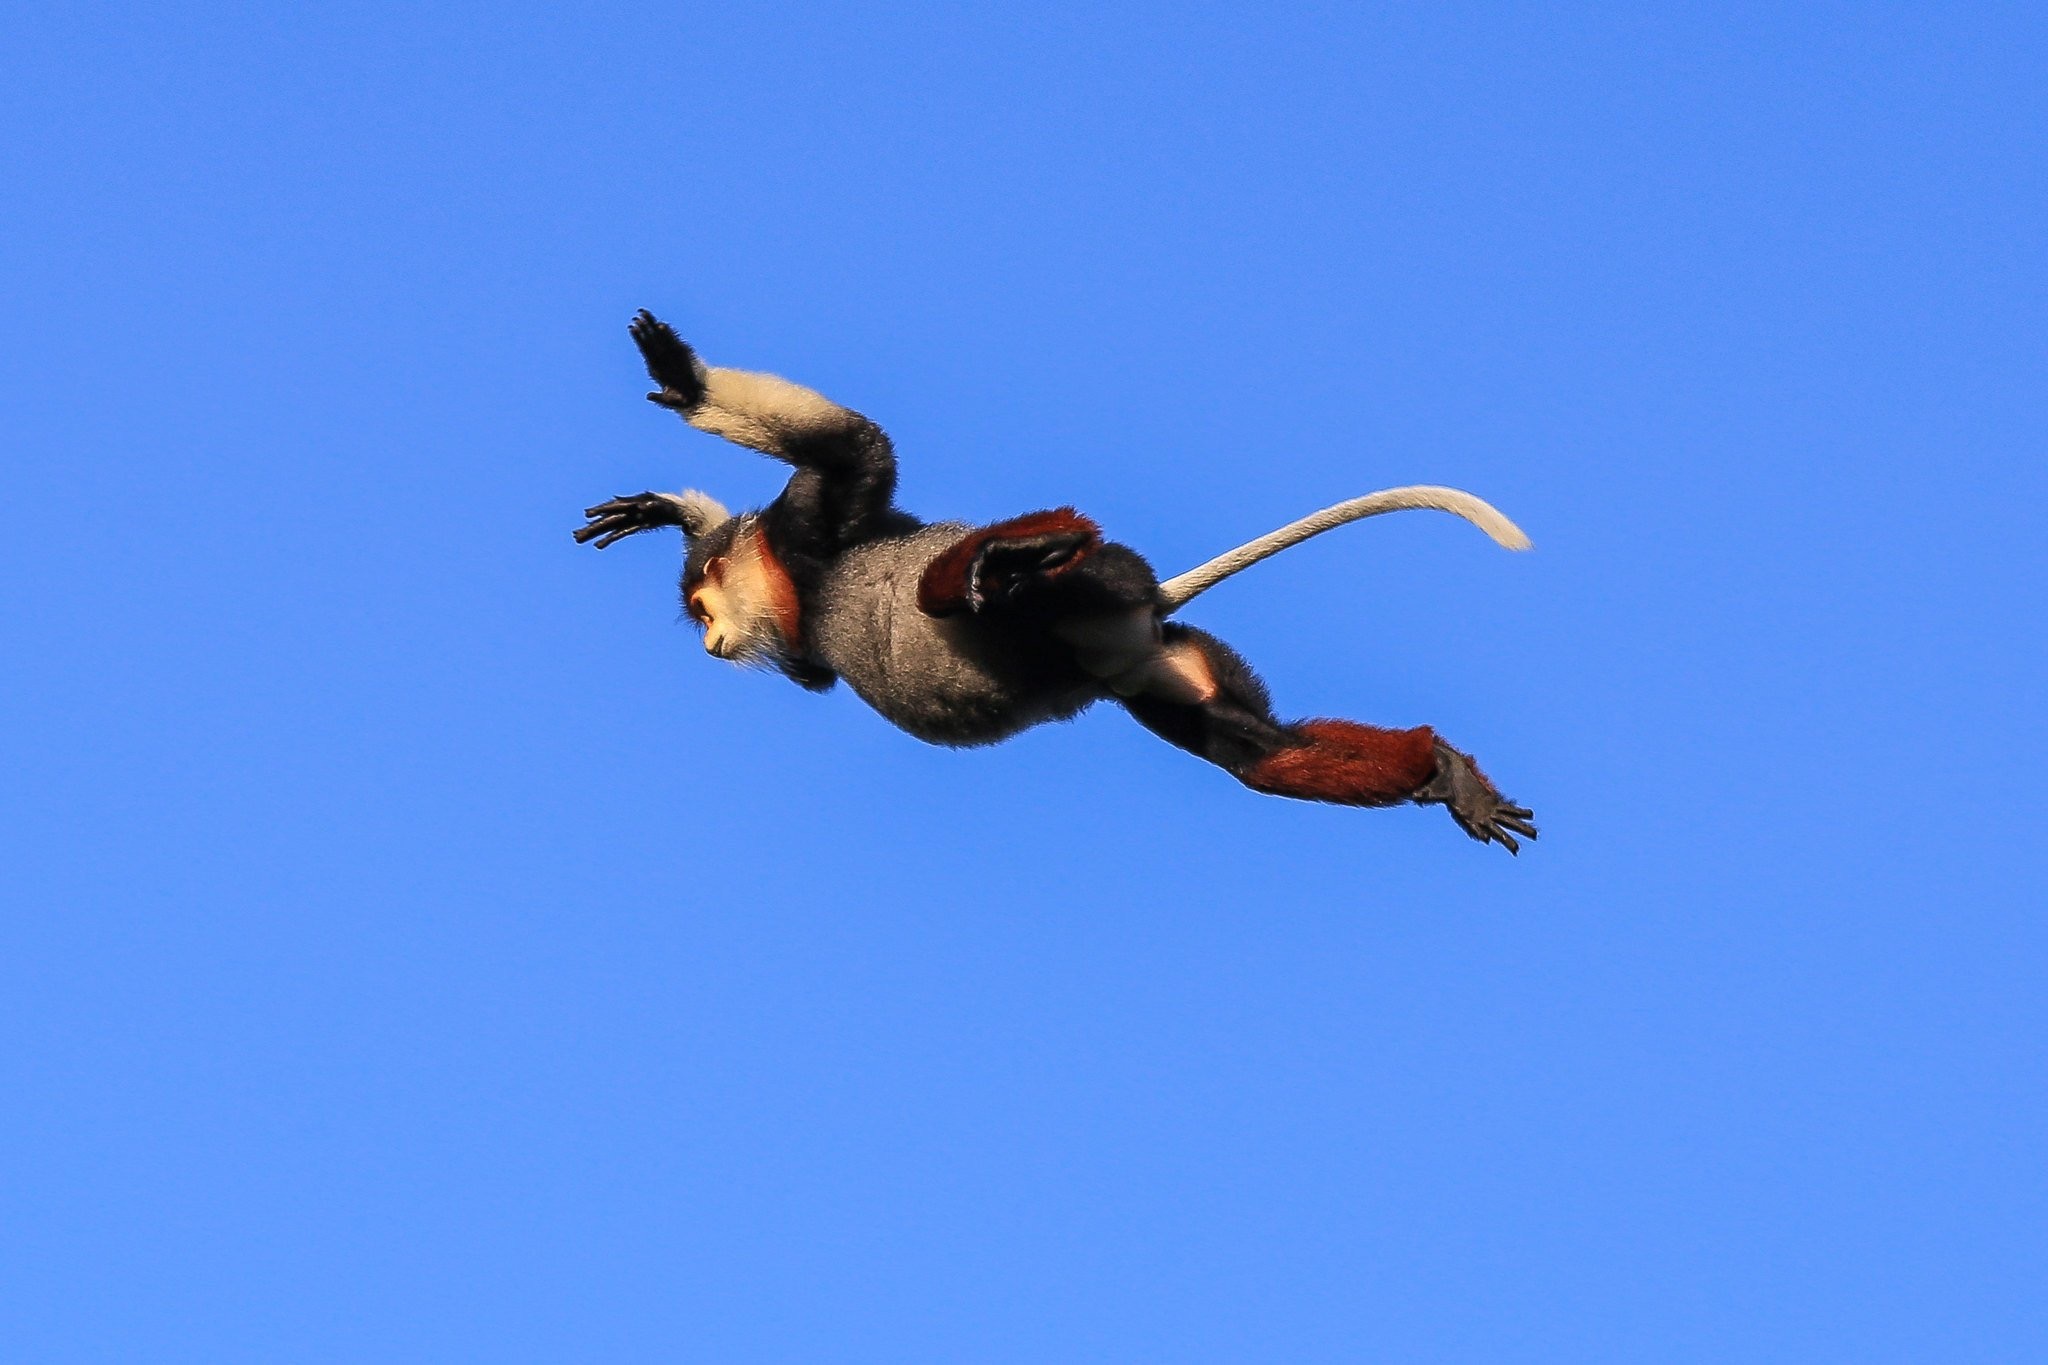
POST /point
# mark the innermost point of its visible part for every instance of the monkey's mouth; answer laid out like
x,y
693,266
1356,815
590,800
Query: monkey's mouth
x,y
734,649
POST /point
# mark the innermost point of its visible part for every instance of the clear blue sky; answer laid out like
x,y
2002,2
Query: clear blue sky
x,y
416,949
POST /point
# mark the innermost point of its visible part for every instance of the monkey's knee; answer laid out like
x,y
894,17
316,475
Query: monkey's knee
x,y
997,564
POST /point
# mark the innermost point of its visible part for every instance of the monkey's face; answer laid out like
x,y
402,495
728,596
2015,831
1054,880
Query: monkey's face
x,y
744,603
714,608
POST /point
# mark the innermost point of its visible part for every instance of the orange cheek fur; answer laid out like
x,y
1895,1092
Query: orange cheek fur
x,y
781,592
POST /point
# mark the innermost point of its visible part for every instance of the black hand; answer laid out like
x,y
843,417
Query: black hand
x,y
670,362
625,516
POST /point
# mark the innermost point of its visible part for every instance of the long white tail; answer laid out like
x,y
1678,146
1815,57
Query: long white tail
x,y
1177,592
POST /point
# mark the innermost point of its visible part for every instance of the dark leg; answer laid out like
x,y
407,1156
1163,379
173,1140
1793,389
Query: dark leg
x,y
1206,699
845,477
1191,689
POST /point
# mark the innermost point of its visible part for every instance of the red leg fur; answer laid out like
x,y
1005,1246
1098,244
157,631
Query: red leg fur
x,y
1348,763
946,587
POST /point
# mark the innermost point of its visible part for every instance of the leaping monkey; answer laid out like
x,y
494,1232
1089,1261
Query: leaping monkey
x,y
965,635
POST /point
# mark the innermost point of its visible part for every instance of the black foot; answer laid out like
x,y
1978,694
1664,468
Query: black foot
x,y
1478,807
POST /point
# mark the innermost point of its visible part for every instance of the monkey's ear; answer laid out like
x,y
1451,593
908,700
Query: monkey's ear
x,y
699,512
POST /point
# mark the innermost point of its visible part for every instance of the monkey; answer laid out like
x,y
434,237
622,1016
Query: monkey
x,y
965,635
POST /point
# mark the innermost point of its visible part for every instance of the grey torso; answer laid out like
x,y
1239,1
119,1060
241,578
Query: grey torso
x,y
951,681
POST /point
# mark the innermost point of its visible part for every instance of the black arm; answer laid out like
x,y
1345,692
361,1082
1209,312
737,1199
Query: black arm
x,y
845,467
